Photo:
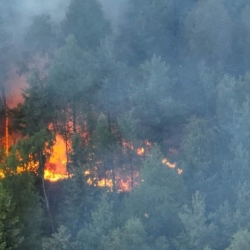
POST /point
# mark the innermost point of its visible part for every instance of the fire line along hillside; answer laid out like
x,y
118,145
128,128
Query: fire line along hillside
x,y
124,125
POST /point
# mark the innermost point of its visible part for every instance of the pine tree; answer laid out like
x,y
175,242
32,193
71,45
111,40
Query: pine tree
x,y
198,233
85,20
40,37
209,32
152,99
10,237
59,241
158,197
132,236
240,240
94,234
151,27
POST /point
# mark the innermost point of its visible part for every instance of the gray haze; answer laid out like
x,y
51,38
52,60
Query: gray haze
x,y
18,14
114,10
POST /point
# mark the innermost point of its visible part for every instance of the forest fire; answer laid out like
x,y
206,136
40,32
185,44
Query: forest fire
x,y
172,165
140,151
6,134
169,164
56,166
56,170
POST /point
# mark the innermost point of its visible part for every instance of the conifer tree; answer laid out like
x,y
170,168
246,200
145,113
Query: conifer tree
x,y
198,233
85,20
240,240
10,237
157,199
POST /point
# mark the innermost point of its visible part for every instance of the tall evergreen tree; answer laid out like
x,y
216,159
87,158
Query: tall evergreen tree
x,y
157,199
85,20
198,232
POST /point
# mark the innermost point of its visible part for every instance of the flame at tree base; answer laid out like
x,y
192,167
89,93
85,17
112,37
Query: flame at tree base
x,y
56,169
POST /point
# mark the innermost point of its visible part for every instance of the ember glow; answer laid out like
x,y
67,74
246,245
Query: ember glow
x,y
169,164
140,151
172,165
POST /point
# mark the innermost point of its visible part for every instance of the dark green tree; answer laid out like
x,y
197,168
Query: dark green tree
x,y
240,240
93,235
150,27
40,38
208,31
59,241
74,202
198,233
27,208
85,20
153,102
70,83
132,236
10,237
158,197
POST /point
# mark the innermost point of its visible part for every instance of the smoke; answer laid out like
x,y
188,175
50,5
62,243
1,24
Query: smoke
x,y
23,11
56,8
114,11
18,15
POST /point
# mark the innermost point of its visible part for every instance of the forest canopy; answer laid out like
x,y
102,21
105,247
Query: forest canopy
x,y
148,104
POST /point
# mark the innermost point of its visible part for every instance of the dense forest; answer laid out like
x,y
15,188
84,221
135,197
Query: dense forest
x,y
152,101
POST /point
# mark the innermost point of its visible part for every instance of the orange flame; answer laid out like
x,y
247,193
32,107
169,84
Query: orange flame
x,y
140,151
55,168
179,171
169,164
172,165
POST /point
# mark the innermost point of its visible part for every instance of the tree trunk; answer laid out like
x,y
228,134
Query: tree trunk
x,y
132,173
46,200
6,130
111,156
74,115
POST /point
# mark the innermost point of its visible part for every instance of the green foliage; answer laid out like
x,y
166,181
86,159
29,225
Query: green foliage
x,y
208,31
128,126
152,99
102,137
132,236
58,241
40,38
169,75
27,208
198,233
72,206
240,240
37,106
149,29
198,143
70,84
93,236
112,79
85,20
162,187
10,237
6,52
68,71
